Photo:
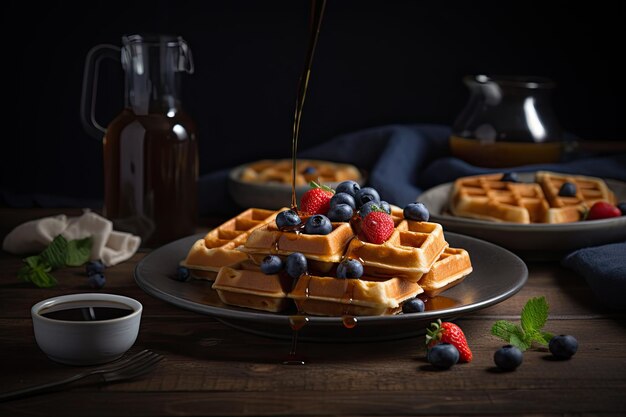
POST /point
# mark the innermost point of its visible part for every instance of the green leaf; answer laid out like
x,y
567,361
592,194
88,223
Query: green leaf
x,y
519,342
56,252
510,333
534,314
78,251
37,271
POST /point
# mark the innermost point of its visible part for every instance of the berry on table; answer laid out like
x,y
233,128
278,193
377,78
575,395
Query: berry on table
x,y
563,346
287,218
295,265
417,212
340,213
349,187
508,358
443,355
97,281
271,264
182,274
450,333
318,225
603,210
377,227
317,199
414,305
350,268
568,189
94,267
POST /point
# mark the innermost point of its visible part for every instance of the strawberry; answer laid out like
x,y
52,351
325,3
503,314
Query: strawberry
x,y
317,199
377,227
447,332
602,210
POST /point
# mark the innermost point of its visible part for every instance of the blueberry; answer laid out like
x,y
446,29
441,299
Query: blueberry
x,y
509,177
416,211
350,268
271,264
567,190
182,274
296,265
287,218
563,346
443,355
342,198
309,171
349,187
385,206
97,280
94,267
340,213
368,207
622,208
366,194
414,305
318,225
508,358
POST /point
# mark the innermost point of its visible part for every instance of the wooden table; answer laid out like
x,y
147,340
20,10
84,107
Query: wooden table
x,y
211,369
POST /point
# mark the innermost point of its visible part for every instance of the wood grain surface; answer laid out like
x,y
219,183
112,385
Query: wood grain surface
x,y
211,369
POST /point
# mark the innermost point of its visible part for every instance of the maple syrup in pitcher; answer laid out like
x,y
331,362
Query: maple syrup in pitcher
x,y
150,148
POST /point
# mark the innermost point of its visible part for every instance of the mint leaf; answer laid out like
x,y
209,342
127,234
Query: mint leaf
x,y
78,251
511,333
520,343
534,314
539,338
37,271
56,252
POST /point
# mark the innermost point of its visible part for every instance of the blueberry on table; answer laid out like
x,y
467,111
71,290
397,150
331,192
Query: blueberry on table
x,y
287,218
414,305
350,268
340,213
271,264
443,355
94,267
349,187
563,346
567,190
509,177
416,211
97,281
318,225
296,265
508,358
365,195
343,198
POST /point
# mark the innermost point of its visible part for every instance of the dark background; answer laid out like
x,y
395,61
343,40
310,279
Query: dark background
x,y
377,63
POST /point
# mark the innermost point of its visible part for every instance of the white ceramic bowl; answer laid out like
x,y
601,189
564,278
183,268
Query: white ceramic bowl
x,y
86,342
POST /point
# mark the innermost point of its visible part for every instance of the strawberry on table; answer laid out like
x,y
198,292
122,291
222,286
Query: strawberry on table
x,y
377,227
448,332
317,199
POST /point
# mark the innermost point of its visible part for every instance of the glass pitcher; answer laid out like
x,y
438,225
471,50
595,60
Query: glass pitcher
x,y
508,121
150,148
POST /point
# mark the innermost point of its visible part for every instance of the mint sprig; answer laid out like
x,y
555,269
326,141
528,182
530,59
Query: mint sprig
x,y
533,318
60,252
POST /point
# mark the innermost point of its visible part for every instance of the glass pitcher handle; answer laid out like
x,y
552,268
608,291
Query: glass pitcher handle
x,y
90,87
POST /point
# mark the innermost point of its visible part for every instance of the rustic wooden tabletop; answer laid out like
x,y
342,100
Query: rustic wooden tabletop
x,y
211,369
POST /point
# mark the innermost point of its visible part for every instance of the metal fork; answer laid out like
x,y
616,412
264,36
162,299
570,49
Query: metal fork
x,y
134,366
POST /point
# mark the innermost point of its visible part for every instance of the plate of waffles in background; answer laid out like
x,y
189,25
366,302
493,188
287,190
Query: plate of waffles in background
x,y
452,274
266,184
532,215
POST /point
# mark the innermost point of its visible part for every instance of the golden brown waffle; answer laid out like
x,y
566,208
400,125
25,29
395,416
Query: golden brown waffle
x,y
218,247
253,289
367,296
279,171
486,197
409,253
589,190
450,269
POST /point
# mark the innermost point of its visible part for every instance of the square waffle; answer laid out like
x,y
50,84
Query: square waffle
x,y
366,296
450,269
218,247
486,197
589,190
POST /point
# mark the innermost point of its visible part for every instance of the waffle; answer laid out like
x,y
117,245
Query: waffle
x,y
279,171
589,190
485,197
450,269
409,253
218,247
253,289
367,296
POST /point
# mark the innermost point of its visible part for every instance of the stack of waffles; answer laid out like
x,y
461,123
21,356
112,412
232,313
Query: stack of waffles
x,y
308,170
415,260
489,197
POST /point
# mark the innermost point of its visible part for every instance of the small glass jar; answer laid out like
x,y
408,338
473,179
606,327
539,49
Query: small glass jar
x,y
508,121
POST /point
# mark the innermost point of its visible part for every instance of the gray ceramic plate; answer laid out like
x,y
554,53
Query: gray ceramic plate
x,y
531,241
497,275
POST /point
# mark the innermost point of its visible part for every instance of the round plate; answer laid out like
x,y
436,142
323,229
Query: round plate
x,y
497,275
531,241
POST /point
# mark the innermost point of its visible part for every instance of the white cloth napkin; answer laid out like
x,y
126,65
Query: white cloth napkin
x,y
109,246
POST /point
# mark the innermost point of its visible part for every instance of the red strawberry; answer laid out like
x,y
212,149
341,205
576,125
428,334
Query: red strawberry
x,y
447,332
603,210
377,227
317,199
